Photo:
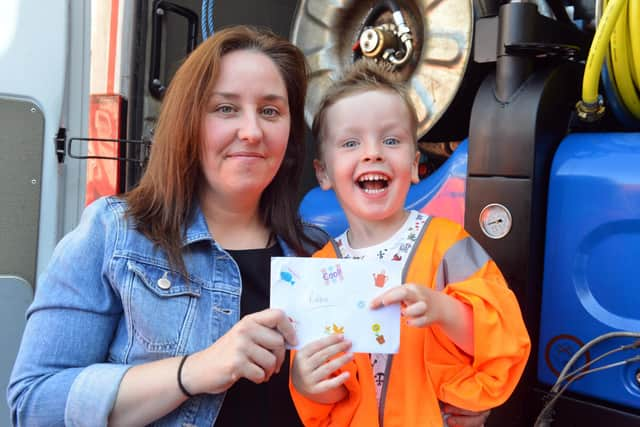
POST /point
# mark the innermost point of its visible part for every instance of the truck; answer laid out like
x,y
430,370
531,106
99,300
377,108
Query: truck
x,y
529,133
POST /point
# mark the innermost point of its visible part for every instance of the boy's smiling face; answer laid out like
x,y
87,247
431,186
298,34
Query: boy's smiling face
x,y
369,156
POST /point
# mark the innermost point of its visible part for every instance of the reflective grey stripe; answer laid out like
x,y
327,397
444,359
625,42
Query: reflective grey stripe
x,y
383,392
462,259
336,248
414,249
387,371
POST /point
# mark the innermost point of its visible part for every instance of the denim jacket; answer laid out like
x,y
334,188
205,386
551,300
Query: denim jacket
x,y
110,300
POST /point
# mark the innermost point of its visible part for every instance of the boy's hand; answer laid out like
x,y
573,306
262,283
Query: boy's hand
x,y
424,306
313,365
421,305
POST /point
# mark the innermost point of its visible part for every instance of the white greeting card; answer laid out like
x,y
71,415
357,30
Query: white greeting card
x,y
332,296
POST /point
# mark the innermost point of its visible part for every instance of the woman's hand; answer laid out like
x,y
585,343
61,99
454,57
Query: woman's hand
x,y
313,365
459,417
254,348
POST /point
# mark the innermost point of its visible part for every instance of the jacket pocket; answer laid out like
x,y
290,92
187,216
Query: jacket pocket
x,y
160,307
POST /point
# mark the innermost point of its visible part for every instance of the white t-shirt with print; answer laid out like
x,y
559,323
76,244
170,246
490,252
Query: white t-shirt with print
x,y
396,248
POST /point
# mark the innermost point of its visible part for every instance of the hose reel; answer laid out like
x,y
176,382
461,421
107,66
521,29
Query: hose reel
x,y
428,42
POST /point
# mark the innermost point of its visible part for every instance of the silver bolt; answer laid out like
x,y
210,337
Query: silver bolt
x,y
34,181
638,376
159,11
33,109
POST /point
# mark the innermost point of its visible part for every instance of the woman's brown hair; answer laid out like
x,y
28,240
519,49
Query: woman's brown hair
x,y
163,202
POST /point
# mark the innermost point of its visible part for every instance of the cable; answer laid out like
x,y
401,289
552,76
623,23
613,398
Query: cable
x,y
203,20
614,102
587,346
616,38
210,17
625,347
590,107
373,43
634,40
599,49
544,419
206,19
621,61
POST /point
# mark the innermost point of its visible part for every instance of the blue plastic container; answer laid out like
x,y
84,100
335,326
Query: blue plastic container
x,y
591,282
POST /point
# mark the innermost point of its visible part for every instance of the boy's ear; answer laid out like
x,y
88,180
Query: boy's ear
x,y
321,174
415,178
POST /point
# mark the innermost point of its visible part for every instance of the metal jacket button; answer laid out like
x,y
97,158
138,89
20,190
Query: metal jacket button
x,y
163,282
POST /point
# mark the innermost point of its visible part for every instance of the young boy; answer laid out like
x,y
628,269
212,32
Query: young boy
x,y
464,341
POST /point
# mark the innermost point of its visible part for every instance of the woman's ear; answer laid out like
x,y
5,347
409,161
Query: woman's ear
x,y
321,174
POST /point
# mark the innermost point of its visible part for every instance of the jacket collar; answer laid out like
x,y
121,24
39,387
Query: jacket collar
x,y
197,230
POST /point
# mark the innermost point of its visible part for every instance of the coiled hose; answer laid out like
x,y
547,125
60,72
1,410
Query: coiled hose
x,y
617,38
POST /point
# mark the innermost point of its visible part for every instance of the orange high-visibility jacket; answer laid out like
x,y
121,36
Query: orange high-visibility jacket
x,y
428,367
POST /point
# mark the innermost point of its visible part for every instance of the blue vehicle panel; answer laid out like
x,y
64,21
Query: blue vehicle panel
x,y
591,268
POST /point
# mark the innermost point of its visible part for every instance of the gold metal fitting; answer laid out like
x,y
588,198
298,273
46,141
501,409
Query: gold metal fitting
x,y
590,111
374,41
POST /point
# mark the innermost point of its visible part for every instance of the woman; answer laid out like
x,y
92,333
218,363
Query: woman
x,y
141,282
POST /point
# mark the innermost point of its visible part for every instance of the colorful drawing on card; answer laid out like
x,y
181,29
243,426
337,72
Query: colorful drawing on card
x,y
333,329
288,276
332,274
332,296
378,334
380,279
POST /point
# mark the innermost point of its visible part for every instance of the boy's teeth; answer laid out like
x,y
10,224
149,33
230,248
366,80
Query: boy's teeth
x,y
373,190
373,178
373,183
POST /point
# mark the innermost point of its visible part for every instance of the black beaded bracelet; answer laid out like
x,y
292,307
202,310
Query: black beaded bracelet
x,y
182,387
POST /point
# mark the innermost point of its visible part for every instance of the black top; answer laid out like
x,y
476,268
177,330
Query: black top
x,y
247,403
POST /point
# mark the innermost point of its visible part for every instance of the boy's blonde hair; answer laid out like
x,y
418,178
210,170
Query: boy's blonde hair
x,y
364,75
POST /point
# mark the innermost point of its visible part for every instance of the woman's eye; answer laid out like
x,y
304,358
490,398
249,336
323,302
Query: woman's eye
x,y
391,141
270,112
224,109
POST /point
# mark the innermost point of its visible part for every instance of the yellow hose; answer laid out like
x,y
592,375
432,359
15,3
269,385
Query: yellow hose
x,y
616,37
598,50
621,68
621,57
634,20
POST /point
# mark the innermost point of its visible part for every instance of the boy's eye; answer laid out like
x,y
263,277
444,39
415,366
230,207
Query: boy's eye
x,y
350,143
391,141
